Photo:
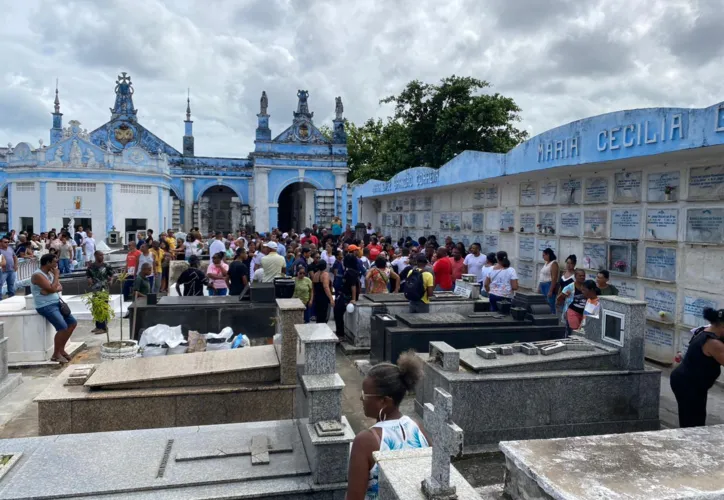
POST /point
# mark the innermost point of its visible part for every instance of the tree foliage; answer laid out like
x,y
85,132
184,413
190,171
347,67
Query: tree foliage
x,y
432,124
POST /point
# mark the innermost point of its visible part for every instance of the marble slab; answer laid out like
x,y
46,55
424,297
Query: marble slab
x,y
662,224
526,247
706,183
705,225
657,184
596,190
527,222
571,192
627,187
571,224
594,256
433,320
626,224
187,366
660,263
669,464
528,194
595,223
548,193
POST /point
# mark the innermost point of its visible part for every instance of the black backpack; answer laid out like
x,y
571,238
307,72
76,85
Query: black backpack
x,y
414,286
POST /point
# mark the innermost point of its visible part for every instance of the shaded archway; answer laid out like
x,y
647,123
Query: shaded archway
x,y
296,206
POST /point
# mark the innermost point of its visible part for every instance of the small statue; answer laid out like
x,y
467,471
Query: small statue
x,y
264,103
40,141
338,108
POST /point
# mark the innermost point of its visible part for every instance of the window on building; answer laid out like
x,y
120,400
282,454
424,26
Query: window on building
x,y
82,187
26,224
135,189
24,186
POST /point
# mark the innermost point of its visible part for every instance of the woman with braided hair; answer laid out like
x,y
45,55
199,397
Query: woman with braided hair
x,y
383,389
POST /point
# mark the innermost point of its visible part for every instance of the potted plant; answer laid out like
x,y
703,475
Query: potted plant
x,y
668,191
100,308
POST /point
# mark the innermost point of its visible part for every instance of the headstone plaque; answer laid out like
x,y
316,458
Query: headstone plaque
x,y
527,222
594,256
490,243
706,183
662,224
467,240
627,187
478,198
544,243
428,202
596,190
528,194
492,220
526,274
595,223
547,221
445,221
548,193
705,225
478,222
570,224
507,220
413,204
427,220
491,197
406,220
571,191
627,287
663,187
660,304
406,204
467,221
626,224
660,264
694,307
526,247
659,342
390,205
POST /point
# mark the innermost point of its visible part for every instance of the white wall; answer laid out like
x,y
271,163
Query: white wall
x,y
696,274
135,206
25,204
59,201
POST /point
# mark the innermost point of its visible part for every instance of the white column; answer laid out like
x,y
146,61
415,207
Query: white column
x,y
308,207
261,198
188,204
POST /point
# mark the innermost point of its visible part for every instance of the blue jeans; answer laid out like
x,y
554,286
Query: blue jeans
x,y
494,299
52,313
220,292
545,288
7,278
64,266
307,314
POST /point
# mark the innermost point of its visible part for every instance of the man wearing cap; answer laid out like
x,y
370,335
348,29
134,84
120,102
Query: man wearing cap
x,y
272,263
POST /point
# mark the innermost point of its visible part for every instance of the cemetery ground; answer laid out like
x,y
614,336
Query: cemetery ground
x,y
19,414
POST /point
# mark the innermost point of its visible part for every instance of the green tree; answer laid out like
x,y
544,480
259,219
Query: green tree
x,y
431,125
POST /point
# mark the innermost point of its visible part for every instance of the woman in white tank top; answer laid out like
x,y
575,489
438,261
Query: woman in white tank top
x,y
548,277
382,391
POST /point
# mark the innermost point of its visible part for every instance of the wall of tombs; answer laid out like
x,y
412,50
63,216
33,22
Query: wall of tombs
x,y
659,230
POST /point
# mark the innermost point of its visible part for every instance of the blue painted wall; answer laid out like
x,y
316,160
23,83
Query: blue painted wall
x,y
609,137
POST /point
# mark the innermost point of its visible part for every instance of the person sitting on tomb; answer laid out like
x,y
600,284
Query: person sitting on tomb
x,y
501,282
574,302
383,389
272,263
602,282
193,279
700,368
142,283
45,285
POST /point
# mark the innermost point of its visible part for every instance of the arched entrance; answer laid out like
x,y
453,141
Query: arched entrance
x,y
296,207
214,211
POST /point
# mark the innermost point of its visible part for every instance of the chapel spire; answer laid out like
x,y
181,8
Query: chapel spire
x,y
188,140
56,132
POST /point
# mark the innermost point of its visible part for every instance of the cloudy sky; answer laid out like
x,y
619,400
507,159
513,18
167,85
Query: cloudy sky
x,y
560,60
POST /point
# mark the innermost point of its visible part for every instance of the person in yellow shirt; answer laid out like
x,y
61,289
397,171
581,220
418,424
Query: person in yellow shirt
x,y
171,240
157,265
419,285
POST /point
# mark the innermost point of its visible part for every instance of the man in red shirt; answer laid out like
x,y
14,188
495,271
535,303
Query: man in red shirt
x,y
375,248
443,271
457,262
309,238
131,269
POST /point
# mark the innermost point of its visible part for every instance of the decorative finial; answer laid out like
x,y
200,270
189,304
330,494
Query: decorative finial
x,y
263,103
338,108
57,100
188,104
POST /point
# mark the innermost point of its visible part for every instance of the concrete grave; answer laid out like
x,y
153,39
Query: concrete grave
x,y
681,464
205,388
358,324
8,381
588,384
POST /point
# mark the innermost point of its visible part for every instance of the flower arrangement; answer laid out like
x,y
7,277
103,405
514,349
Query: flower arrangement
x,y
669,189
620,265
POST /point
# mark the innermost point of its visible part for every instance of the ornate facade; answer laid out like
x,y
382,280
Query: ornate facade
x,y
121,175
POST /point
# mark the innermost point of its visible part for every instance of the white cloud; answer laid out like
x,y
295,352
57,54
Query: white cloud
x,y
560,60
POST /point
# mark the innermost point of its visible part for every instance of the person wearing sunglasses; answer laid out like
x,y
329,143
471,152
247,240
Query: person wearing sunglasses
x,y
383,389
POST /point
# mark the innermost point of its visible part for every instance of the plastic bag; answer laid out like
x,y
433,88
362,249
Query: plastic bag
x,y
180,349
152,350
162,334
220,345
241,340
225,334
197,342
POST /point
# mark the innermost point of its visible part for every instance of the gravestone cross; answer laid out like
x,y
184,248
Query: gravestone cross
x,y
447,441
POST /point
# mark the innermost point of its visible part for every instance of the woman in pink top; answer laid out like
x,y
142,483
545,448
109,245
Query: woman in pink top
x,y
218,273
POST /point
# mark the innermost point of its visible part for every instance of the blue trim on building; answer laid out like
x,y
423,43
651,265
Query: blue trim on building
x,y
109,207
614,136
43,206
161,225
